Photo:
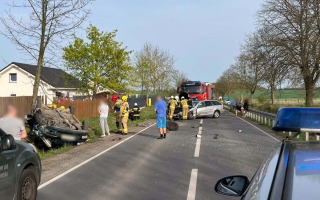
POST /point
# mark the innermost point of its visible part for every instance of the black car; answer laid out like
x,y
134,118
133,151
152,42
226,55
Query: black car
x,y
20,169
292,169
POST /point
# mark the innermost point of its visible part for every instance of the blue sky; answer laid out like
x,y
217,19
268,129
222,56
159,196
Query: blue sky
x,y
204,36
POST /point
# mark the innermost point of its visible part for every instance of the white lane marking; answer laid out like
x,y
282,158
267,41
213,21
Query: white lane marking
x,y
197,150
90,159
198,143
276,139
192,185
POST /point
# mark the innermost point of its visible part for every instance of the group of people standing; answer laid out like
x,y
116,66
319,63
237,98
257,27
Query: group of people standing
x,y
174,102
121,109
122,112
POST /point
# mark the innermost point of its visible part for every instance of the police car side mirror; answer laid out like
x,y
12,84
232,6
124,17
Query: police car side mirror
x,y
7,142
232,185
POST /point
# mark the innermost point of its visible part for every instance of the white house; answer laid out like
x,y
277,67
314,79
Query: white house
x,y
17,79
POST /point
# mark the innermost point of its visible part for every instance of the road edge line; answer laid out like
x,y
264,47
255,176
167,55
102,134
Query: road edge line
x,y
268,134
90,159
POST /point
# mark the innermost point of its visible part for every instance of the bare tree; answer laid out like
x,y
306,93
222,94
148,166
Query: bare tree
x,y
296,25
153,68
179,77
49,23
274,66
248,66
227,83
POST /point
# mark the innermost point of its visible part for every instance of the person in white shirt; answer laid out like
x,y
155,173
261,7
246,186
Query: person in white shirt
x,y
104,111
13,125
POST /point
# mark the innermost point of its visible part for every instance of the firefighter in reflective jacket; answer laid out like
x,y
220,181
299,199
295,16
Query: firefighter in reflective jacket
x,y
118,116
185,108
136,112
124,111
172,106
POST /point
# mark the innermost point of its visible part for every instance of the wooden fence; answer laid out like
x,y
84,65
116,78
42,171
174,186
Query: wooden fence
x,y
84,108
23,104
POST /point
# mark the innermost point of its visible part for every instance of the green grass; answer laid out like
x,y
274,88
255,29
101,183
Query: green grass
x,y
279,94
95,130
45,154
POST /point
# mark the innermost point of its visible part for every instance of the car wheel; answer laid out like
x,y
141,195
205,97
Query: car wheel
x,y
27,188
72,109
85,125
190,116
216,114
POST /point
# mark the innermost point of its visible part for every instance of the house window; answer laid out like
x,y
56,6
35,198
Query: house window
x,y
13,77
13,95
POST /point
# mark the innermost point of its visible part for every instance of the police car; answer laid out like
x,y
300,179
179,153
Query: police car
x,y
20,169
292,169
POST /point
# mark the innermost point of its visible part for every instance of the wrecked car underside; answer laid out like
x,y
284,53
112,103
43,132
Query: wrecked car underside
x,y
54,127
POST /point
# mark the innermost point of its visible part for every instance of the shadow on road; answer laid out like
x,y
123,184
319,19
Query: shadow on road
x,y
147,135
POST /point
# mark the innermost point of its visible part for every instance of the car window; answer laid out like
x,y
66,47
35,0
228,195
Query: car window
x,y
261,183
201,105
208,103
217,103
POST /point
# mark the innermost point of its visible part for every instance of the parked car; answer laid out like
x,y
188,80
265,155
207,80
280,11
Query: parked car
x,y
20,169
290,171
207,108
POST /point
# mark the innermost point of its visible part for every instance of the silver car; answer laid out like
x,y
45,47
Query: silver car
x,y
207,108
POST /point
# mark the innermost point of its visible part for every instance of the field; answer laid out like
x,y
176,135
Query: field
x,y
283,96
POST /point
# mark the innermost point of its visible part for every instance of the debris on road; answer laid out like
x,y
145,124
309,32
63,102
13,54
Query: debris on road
x,y
116,139
240,131
198,136
216,136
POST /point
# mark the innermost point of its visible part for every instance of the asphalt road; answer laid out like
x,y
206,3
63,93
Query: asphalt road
x,y
179,167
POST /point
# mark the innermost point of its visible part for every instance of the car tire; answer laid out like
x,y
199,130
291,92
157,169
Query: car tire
x,y
190,116
172,126
85,125
72,110
216,114
40,119
27,188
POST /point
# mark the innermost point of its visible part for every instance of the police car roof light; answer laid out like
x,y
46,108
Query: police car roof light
x,y
297,119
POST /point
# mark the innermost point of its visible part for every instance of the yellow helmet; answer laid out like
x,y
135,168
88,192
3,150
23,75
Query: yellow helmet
x,y
124,98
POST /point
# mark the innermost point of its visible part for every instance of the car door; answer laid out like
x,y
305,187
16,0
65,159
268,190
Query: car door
x,y
218,106
7,173
209,108
201,109
261,183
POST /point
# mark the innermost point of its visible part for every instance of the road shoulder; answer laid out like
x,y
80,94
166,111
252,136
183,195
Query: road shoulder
x,y
55,165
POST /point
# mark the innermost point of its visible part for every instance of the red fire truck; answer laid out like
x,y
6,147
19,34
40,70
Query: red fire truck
x,y
198,90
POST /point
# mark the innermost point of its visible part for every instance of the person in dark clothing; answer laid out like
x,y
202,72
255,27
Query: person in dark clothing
x,y
246,105
135,113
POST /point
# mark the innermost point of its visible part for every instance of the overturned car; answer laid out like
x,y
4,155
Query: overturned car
x,y
54,127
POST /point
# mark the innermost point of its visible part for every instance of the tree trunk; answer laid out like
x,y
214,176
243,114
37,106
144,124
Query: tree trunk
x,y
251,95
40,56
272,95
309,87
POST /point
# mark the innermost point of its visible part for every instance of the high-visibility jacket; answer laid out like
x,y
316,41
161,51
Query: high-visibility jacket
x,y
136,111
173,103
184,103
124,109
117,105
